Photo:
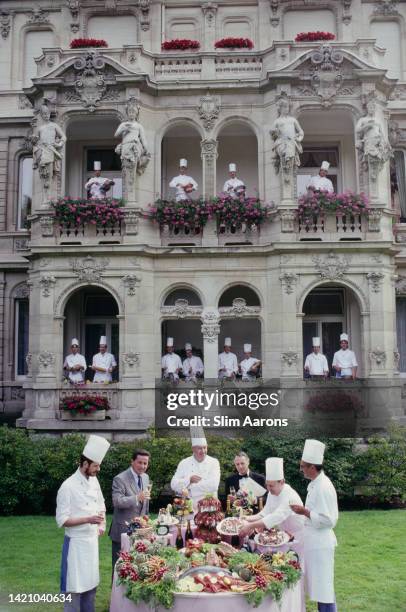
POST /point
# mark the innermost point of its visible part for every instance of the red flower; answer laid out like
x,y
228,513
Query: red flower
x,y
80,43
313,36
180,44
234,43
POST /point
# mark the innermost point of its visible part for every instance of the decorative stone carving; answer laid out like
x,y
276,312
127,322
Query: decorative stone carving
x,y
289,280
131,220
73,6
131,358
374,220
48,140
210,326
208,150
130,282
28,361
47,282
287,136
89,269
209,11
75,27
44,262
239,308
371,142
290,358
133,149
46,359
386,7
325,78
22,244
181,309
396,360
400,285
22,291
375,281
347,11
274,4
90,84
332,266
378,357
288,221
38,15
208,109
47,225
17,393
24,102
5,23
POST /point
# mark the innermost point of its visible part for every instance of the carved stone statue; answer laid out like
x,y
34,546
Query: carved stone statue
x,y
48,140
287,135
133,149
371,142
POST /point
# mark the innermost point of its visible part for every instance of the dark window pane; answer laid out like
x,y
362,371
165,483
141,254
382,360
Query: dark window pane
x,y
100,306
401,331
109,159
22,308
324,303
183,294
331,340
239,291
312,157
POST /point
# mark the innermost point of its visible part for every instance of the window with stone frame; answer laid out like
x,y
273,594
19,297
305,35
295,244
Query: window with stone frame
x,y
25,178
110,168
398,184
310,162
21,314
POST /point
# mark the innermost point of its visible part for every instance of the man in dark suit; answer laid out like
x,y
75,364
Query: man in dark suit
x,y
242,462
130,498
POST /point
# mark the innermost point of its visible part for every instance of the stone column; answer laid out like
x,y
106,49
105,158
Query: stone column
x,y
210,330
209,11
209,156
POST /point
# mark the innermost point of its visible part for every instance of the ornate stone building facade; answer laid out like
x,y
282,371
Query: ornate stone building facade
x,y
276,287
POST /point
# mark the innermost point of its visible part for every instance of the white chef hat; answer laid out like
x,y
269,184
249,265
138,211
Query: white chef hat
x,y
343,337
315,341
324,165
96,448
183,162
247,348
169,342
274,468
313,452
197,436
74,341
96,165
188,346
227,341
103,340
232,167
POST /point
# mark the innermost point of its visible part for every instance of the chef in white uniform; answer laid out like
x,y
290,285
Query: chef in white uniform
x,y
199,474
103,363
97,186
75,364
171,363
277,511
228,365
249,365
183,183
192,366
345,361
233,185
316,363
320,182
80,509
321,515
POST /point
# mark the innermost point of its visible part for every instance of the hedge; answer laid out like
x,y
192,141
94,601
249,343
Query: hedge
x,y
33,468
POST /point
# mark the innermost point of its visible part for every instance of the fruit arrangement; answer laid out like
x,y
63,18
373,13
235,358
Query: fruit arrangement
x,y
242,501
272,537
182,506
206,519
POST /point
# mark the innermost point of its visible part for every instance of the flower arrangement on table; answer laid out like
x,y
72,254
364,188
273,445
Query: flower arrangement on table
x,y
242,502
153,574
84,404
72,213
234,43
190,215
234,213
81,43
180,44
209,514
314,36
321,202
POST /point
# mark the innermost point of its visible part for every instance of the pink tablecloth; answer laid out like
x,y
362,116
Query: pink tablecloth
x,y
292,601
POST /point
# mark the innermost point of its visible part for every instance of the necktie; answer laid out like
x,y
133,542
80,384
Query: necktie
x,y
139,482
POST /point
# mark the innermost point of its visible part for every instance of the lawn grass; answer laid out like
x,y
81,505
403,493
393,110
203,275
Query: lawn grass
x,y
370,562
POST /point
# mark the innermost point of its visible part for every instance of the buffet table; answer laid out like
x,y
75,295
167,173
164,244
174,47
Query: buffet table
x,y
292,601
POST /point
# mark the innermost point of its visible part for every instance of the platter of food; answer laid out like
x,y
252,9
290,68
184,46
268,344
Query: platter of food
x,y
272,538
230,526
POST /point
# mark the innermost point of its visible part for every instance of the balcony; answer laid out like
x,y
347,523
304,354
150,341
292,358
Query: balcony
x,y
333,227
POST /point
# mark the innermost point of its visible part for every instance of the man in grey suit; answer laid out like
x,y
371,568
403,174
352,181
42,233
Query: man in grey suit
x,y
130,498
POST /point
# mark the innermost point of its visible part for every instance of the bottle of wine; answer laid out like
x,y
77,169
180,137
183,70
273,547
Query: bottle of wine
x,y
228,506
260,504
179,539
188,534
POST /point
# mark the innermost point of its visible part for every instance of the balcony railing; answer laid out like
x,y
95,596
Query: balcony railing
x,y
99,233
174,236
333,227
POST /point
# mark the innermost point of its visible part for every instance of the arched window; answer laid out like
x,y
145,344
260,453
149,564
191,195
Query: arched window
x,y
183,293
21,335
25,176
239,291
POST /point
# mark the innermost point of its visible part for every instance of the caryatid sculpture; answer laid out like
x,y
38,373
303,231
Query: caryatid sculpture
x,y
133,149
48,140
287,136
371,141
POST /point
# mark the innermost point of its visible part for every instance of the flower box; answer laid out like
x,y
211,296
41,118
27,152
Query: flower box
x,y
73,213
97,415
187,215
180,44
317,204
234,43
314,36
236,214
83,43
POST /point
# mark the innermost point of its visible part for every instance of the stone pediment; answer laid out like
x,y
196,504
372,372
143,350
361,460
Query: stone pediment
x,y
92,59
